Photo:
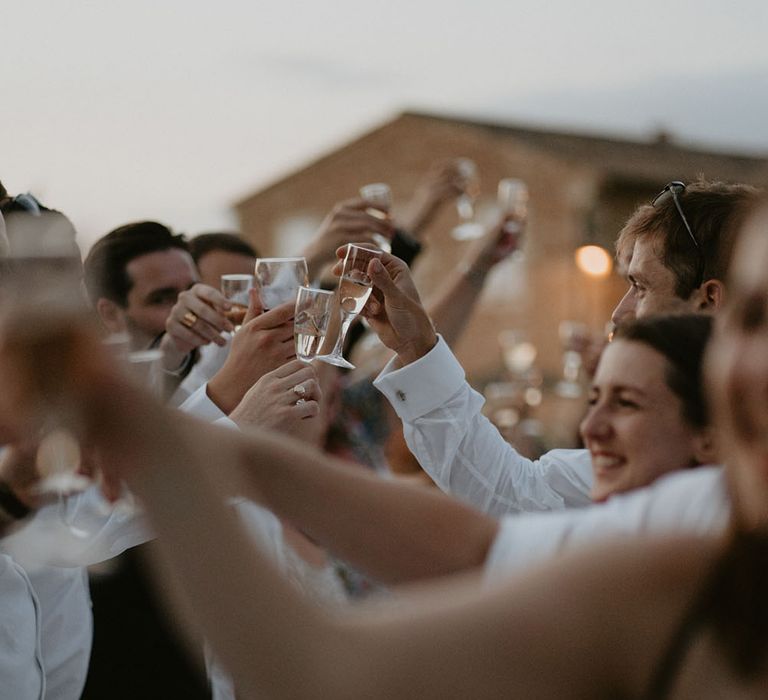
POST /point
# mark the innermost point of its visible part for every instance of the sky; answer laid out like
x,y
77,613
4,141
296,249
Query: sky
x,y
117,111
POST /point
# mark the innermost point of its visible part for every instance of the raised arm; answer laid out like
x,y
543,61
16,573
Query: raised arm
x,y
446,642
442,419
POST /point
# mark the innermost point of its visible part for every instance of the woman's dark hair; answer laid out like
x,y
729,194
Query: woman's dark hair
x,y
681,340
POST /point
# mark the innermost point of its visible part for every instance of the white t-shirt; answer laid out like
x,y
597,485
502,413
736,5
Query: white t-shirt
x,y
693,501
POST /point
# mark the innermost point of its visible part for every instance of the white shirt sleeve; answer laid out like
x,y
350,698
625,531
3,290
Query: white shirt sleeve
x,y
21,661
211,360
693,501
464,452
81,530
199,404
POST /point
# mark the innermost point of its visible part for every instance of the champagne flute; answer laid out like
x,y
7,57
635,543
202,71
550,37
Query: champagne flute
x,y
513,202
467,228
379,196
235,289
518,351
279,279
354,289
310,326
574,336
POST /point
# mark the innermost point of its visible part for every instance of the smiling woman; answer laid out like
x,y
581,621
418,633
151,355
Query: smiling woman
x,y
647,412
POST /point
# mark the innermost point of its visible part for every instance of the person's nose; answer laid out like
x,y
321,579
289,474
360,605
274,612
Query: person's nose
x,y
596,424
625,309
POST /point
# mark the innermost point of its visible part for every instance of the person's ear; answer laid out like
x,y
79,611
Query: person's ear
x,y
705,447
710,296
111,315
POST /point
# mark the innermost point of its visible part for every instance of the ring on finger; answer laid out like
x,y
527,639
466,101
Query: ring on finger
x,y
300,390
189,319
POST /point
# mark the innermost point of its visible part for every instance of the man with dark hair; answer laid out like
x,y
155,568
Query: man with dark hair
x,y
134,275
675,250
217,254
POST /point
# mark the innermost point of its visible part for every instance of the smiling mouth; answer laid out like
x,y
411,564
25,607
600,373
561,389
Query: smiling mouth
x,y
602,462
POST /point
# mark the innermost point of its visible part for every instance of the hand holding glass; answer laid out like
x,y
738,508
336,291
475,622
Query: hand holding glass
x,y
354,289
513,202
235,289
379,196
468,228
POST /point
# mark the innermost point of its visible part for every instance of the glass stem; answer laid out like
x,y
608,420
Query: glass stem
x,y
346,320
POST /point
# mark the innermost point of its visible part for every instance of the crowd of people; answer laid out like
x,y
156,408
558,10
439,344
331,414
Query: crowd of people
x,y
632,567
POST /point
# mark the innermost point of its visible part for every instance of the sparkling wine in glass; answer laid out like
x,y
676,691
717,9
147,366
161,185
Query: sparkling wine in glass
x,y
279,279
574,336
467,228
513,202
354,289
235,288
314,308
379,196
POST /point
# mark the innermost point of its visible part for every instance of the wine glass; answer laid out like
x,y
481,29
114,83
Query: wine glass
x,y
310,325
279,279
513,201
379,196
574,336
235,289
518,352
354,289
467,228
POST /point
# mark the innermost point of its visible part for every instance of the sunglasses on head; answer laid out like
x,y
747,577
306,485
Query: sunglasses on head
x,y
674,189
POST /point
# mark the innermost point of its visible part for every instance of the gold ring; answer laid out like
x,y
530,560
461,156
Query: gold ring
x,y
300,390
189,319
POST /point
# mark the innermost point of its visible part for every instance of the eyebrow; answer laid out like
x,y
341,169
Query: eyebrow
x,y
617,389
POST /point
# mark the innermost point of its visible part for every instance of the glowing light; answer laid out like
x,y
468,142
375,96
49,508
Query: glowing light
x,y
594,261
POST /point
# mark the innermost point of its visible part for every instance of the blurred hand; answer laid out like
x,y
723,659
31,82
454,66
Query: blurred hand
x,y
394,310
439,186
348,221
263,343
285,399
496,245
207,306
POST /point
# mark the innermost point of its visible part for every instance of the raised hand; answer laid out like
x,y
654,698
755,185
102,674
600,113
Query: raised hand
x,y
283,399
196,319
347,222
394,310
263,343
497,244
440,185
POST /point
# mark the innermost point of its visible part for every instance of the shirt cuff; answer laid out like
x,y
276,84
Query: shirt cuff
x,y
424,385
200,405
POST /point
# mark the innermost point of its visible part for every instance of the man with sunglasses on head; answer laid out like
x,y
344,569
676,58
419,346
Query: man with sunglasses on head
x,y
675,251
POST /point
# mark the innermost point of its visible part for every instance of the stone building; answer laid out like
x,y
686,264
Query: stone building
x,y
582,188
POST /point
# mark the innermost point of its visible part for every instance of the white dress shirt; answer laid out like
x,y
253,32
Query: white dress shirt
x,y
464,452
211,360
21,663
692,501
57,599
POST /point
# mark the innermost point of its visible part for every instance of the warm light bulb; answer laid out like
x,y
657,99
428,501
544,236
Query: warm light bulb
x,y
594,261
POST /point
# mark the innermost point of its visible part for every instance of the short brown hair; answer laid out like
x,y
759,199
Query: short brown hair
x,y
714,211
